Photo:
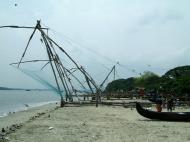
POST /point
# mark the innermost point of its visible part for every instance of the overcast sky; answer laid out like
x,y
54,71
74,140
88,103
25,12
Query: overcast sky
x,y
139,34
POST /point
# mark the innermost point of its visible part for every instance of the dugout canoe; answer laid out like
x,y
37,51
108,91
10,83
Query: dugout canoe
x,y
163,116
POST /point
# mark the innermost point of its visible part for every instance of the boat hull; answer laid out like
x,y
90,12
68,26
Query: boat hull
x,y
163,116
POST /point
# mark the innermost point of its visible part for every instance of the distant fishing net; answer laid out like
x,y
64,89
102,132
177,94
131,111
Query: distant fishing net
x,y
38,76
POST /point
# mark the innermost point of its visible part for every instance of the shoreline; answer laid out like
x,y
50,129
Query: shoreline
x,y
21,117
25,107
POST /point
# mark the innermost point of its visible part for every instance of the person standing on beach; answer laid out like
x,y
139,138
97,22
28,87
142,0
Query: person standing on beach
x,y
170,104
159,104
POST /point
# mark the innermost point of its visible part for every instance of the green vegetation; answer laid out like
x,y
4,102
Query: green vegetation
x,y
176,81
121,84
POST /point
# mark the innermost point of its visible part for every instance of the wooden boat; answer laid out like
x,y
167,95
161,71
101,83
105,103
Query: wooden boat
x,y
163,116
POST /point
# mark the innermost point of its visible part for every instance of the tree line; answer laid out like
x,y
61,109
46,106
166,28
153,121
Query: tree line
x,y
175,81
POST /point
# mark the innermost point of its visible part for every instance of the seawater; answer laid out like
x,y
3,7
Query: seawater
x,y
13,101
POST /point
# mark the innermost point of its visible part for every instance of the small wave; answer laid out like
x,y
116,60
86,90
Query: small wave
x,y
3,114
31,105
26,107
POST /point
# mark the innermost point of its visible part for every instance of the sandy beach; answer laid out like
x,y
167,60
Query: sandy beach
x,y
89,124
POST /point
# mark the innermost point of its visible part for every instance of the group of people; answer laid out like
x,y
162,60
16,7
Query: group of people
x,y
164,103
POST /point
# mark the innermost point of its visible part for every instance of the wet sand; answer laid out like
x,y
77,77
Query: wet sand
x,y
89,124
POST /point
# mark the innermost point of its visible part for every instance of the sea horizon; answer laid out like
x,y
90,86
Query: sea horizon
x,y
12,101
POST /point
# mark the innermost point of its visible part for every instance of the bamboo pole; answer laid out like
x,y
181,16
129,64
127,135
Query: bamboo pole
x,y
113,68
54,73
22,27
84,72
75,78
63,80
28,62
70,73
69,80
61,73
37,26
